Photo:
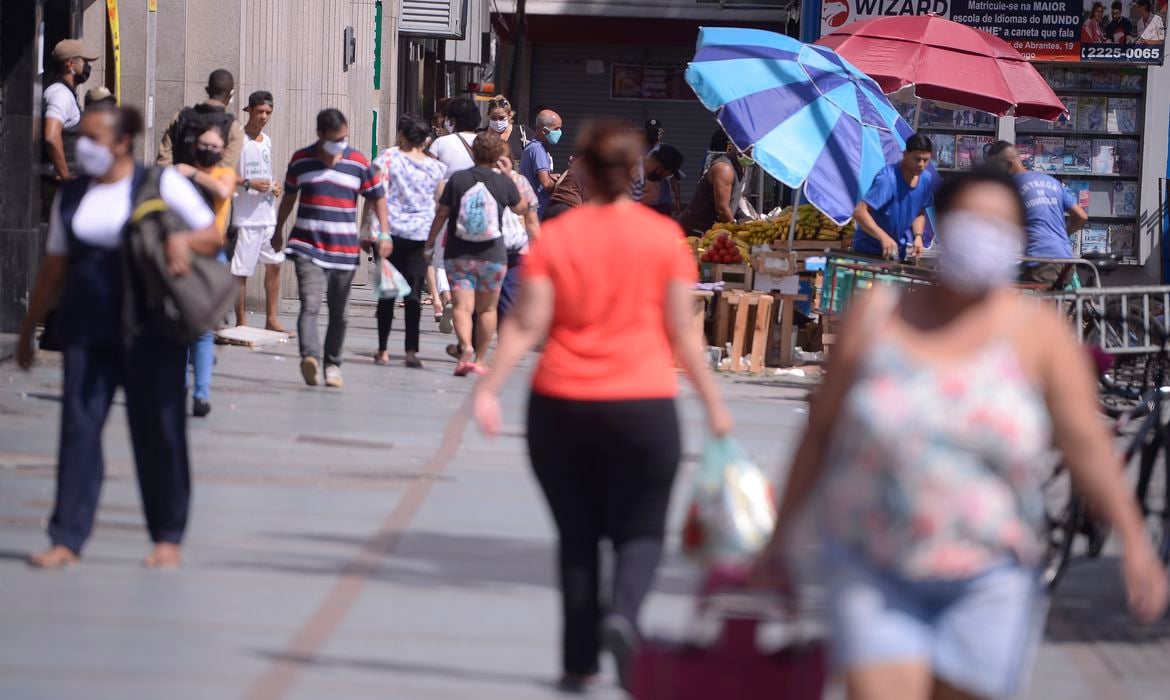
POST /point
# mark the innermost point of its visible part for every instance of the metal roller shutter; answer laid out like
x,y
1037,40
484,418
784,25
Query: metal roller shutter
x,y
562,81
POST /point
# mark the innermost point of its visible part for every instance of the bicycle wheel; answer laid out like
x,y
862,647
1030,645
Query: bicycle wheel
x,y
1063,514
1153,490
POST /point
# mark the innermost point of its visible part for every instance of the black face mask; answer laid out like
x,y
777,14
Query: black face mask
x,y
85,73
207,158
656,176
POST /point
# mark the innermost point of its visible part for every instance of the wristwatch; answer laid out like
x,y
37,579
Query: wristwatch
x,y
247,184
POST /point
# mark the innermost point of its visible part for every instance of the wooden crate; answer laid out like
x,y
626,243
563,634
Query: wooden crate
x,y
732,276
741,329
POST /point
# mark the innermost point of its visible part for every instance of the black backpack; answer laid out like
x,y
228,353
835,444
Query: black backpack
x,y
180,308
193,121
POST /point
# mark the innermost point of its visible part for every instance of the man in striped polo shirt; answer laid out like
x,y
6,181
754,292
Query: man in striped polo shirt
x,y
324,243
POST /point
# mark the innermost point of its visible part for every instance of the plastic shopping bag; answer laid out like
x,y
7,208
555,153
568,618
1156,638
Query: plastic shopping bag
x,y
733,507
389,282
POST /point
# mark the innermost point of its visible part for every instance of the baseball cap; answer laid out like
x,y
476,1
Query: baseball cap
x,y
72,48
653,125
670,157
260,97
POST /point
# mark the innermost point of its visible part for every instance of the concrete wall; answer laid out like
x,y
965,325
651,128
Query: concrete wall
x,y
292,48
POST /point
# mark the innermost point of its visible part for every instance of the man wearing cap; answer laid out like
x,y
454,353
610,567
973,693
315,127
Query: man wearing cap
x,y
178,140
662,168
61,111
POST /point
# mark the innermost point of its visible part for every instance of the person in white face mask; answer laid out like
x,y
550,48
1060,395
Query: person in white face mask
x,y
502,120
83,268
922,451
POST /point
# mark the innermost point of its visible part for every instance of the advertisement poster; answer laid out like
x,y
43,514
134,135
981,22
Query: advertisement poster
x,y
1043,30
637,82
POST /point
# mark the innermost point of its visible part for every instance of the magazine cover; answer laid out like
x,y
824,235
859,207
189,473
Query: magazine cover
x,y
1049,156
944,150
1026,147
1125,199
1080,189
1104,156
1032,124
1078,155
1123,240
1131,80
1107,79
1091,114
1094,238
1122,115
1128,157
1058,78
1080,78
1071,103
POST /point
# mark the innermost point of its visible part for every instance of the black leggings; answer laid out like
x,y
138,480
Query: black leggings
x,y
409,260
606,469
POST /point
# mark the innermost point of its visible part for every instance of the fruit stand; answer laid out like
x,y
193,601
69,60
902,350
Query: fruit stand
x,y
741,263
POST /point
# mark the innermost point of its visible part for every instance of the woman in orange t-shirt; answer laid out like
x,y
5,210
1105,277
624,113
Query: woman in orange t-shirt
x,y
608,284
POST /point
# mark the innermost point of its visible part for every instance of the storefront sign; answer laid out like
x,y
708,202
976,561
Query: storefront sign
x,y
1044,30
635,82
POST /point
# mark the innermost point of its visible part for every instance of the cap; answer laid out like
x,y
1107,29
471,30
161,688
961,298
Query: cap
x,y
94,94
653,125
260,97
72,48
670,157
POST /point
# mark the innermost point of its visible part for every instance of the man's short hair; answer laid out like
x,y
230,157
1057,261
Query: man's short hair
x,y
220,83
997,149
330,120
1142,3
1117,5
919,142
463,114
546,118
260,97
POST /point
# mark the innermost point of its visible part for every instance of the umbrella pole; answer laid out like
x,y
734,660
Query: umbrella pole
x,y
917,113
792,219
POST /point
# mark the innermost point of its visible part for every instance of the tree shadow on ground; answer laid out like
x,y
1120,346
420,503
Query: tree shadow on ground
x,y
1090,605
438,560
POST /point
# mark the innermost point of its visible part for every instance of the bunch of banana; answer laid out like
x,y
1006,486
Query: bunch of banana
x,y
811,225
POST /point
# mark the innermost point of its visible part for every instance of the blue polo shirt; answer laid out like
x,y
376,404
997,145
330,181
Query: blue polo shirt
x,y
1045,202
894,205
534,161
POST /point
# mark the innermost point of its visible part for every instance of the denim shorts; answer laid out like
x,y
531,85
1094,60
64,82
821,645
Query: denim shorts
x,y
475,275
978,634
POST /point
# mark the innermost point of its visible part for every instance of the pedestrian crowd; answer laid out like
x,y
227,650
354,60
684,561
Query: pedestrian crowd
x,y
929,534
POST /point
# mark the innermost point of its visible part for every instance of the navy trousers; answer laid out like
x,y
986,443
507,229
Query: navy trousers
x,y
152,374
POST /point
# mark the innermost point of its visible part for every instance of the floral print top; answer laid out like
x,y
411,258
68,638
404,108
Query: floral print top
x,y
410,192
935,469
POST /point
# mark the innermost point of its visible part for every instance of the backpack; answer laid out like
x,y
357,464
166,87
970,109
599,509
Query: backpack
x,y
193,121
179,308
479,215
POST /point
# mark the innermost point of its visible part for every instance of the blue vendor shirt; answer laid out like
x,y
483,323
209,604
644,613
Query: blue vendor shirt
x,y
1045,202
894,205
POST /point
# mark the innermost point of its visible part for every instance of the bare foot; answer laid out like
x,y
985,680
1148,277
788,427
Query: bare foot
x,y
165,556
56,557
382,358
275,326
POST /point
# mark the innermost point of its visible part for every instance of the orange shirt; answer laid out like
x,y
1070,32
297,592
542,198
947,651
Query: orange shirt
x,y
609,266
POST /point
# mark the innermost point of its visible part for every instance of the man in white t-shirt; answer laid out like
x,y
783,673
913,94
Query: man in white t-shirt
x,y
62,115
254,212
1150,27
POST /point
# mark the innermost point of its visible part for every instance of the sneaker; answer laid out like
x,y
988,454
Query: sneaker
x,y
200,408
447,322
621,639
333,376
310,370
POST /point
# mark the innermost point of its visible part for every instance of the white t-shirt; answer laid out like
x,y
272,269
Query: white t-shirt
x,y
105,209
1155,29
61,104
453,154
252,208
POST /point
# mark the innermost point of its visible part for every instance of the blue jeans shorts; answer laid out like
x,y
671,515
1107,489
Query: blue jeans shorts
x,y
978,634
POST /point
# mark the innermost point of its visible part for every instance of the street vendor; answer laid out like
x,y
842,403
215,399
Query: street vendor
x,y
891,218
718,193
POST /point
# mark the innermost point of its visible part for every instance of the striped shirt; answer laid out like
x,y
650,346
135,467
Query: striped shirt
x,y
326,227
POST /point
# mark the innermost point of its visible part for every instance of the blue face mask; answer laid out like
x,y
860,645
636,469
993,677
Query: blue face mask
x,y
554,137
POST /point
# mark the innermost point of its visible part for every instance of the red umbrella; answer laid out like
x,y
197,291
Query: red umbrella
x,y
946,61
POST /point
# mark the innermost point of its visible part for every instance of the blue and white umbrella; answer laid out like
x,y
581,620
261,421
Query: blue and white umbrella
x,y
812,119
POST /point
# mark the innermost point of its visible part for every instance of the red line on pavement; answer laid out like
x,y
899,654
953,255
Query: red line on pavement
x,y
316,631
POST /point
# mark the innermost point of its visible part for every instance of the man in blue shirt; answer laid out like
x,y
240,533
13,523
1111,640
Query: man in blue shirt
x,y
891,218
535,163
1051,213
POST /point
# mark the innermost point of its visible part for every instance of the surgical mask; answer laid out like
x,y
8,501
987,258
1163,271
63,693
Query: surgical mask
x,y
449,126
498,125
746,161
207,157
335,148
979,253
655,176
95,159
554,136
86,71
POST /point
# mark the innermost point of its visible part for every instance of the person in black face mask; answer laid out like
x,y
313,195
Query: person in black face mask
x,y
662,166
216,182
62,115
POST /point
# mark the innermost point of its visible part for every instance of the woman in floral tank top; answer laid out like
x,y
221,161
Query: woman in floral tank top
x,y
925,451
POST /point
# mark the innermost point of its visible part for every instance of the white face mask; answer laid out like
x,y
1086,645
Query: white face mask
x,y
449,126
335,148
979,253
498,125
94,159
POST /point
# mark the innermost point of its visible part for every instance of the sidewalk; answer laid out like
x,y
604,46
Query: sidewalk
x,y
331,555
